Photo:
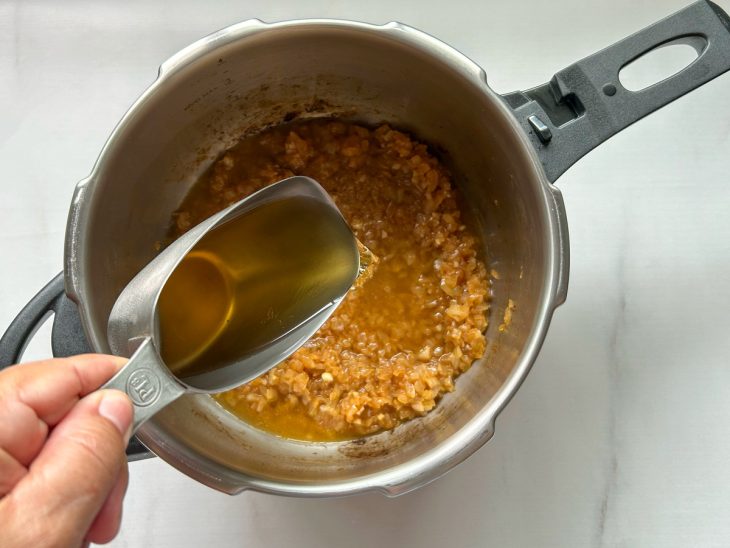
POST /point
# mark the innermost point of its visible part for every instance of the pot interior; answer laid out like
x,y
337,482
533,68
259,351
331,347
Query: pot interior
x,y
250,77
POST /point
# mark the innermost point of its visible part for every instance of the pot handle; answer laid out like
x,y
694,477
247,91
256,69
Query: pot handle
x,y
67,338
585,103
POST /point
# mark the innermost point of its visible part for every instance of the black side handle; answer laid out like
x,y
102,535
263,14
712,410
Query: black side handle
x,y
585,104
15,340
67,338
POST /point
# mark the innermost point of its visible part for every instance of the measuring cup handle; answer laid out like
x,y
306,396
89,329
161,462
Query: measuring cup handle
x,y
585,103
147,382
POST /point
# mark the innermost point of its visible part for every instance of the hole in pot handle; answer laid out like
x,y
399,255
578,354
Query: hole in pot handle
x,y
661,62
585,103
67,338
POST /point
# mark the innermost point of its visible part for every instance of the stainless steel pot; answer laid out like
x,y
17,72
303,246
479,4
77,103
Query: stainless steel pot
x,y
505,151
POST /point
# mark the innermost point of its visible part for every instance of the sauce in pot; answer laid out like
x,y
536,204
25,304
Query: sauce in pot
x,y
395,346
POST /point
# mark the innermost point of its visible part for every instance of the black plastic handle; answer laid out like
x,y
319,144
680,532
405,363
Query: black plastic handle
x,y
585,104
24,326
67,338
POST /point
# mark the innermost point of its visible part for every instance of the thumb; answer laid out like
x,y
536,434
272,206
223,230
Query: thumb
x,y
76,470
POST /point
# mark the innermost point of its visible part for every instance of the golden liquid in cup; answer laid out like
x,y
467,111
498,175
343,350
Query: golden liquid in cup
x,y
253,279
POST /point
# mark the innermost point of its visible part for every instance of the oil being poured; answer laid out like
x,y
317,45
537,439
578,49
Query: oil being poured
x,y
252,280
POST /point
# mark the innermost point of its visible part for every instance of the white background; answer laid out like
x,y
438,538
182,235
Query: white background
x,y
619,437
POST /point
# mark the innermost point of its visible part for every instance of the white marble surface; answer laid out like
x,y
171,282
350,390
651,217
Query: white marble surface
x,y
619,437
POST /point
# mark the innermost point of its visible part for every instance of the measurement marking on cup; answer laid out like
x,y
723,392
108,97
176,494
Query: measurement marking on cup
x,y
144,387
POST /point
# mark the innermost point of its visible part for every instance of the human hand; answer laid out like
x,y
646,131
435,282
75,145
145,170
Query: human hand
x,y
63,471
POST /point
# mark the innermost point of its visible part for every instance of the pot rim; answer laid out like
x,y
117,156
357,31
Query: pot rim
x,y
435,462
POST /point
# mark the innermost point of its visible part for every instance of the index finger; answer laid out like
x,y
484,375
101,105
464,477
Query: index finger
x,y
52,387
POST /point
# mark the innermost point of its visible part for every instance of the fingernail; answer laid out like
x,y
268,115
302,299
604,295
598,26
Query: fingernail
x,y
116,407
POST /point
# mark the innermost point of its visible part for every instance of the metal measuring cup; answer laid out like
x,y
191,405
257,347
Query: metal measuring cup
x,y
134,330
